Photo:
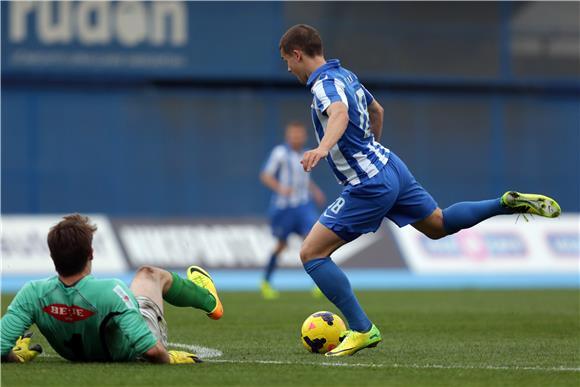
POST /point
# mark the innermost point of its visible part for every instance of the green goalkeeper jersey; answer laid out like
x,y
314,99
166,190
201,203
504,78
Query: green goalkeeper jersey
x,y
93,320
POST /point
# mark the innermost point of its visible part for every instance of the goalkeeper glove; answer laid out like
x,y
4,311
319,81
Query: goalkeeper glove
x,y
180,357
23,351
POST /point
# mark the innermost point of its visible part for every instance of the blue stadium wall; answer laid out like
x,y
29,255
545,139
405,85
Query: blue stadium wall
x,y
470,114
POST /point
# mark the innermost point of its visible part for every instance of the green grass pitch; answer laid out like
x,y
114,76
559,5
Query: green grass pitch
x,y
430,338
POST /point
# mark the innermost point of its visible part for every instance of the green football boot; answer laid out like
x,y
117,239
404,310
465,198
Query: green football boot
x,y
531,204
355,341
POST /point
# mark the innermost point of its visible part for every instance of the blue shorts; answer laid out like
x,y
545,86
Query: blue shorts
x,y
392,193
297,220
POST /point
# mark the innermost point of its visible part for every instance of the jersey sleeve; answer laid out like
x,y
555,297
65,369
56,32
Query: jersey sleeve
x,y
274,161
329,90
368,96
130,321
17,319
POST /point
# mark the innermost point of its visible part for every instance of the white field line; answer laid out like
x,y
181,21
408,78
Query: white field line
x,y
202,352
207,354
395,365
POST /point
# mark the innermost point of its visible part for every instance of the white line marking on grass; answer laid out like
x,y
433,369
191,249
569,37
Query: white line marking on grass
x,y
415,366
209,353
202,352
486,367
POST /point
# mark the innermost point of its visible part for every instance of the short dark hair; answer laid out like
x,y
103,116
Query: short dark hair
x,y
302,37
295,123
70,244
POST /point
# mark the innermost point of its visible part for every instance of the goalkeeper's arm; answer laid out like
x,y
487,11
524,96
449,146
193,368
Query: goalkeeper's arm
x,y
158,354
13,342
10,357
23,352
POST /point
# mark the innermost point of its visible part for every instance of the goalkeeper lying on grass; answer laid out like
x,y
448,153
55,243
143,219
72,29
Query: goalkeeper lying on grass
x,y
88,319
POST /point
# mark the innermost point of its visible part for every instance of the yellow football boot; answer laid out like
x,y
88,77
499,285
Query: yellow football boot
x,y
534,204
355,341
268,292
202,279
316,292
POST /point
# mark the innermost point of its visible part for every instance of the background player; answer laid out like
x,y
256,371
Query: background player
x,y
347,120
291,208
88,319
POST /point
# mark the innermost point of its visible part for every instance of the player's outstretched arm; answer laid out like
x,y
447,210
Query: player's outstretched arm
x,y
337,122
159,355
14,341
317,194
271,182
23,352
376,113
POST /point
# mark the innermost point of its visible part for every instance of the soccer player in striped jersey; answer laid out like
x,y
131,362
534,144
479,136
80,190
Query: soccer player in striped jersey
x,y
291,208
348,123
89,319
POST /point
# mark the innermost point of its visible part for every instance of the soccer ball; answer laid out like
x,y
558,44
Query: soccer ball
x,y
322,332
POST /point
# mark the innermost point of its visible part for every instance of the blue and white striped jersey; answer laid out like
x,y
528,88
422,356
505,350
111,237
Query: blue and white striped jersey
x,y
284,164
356,157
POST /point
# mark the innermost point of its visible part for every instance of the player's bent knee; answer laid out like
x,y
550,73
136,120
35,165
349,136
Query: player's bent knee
x,y
307,253
304,255
280,247
435,234
432,227
147,271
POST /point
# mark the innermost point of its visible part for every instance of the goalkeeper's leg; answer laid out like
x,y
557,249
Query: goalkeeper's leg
x,y
151,282
159,284
151,286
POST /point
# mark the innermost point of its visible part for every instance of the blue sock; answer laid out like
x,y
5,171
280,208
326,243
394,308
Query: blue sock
x,y
333,283
270,268
468,214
